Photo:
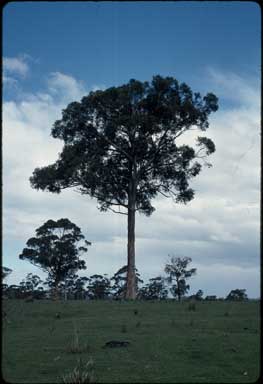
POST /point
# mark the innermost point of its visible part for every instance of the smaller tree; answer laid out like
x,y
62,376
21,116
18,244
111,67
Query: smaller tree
x,y
55,250
30,285
237,295
155,290
199,294
99,287
178,273
119,280
79,287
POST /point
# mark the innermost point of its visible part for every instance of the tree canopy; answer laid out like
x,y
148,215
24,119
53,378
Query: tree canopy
x,y
237,295
99,287
138,122
154,290
55,249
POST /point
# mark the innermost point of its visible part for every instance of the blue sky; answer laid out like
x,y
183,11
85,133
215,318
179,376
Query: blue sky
x,y
111,42
55,53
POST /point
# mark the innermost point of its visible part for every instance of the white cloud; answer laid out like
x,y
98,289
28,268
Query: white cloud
x,y
220,226
233,87
60,84
16,65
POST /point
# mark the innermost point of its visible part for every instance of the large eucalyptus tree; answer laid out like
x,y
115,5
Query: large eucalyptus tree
x,y
120,147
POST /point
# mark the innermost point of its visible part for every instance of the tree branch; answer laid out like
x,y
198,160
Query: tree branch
x,y
109,202
164,194
120,213
120,150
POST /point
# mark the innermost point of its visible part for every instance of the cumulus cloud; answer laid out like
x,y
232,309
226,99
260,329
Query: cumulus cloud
x,y
233,87
15,69
16,65
65,86
219,229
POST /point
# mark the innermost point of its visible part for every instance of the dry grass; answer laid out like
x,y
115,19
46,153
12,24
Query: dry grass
x,y
75,346
81,374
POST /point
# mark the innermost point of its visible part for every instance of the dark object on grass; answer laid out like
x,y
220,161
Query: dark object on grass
x,y
116,344
245,328
136,311
57,315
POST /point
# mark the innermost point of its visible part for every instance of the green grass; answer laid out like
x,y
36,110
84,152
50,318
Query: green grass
x,y
170,345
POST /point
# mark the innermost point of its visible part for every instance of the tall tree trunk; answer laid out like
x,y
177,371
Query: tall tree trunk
x,y
178,289
131,283
131,278
56,291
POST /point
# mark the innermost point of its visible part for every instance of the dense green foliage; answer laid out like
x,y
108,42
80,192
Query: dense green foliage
x,y
111,133
55,250
99,287
31,286
119,282
217,342
154,290
237,294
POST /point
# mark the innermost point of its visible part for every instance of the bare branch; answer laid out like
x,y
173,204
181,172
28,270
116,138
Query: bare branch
x,y
120,213
164,194
110,202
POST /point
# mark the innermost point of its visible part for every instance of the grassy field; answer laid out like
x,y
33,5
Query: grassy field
x,y
218,342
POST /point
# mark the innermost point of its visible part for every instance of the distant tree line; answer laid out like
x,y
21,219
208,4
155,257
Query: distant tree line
x,y
57,249
102,287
